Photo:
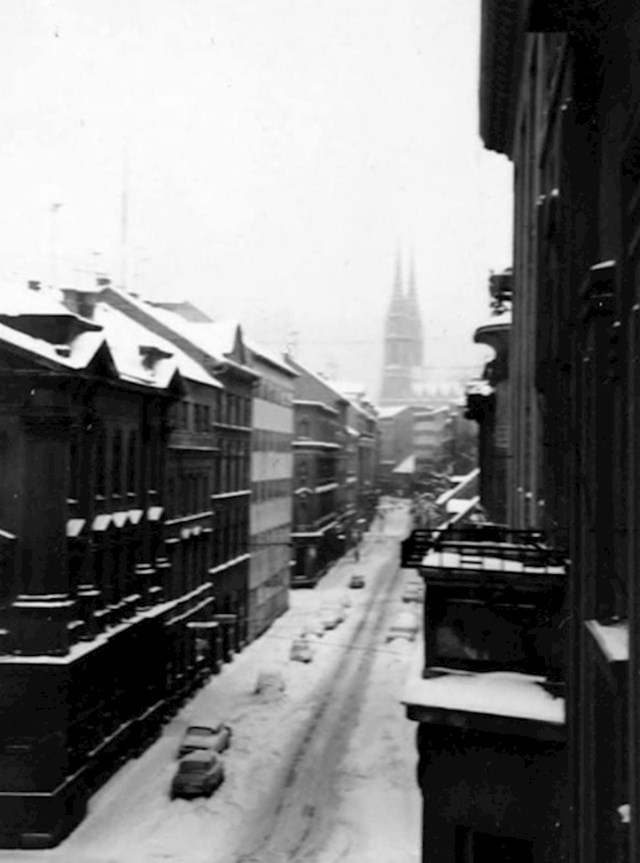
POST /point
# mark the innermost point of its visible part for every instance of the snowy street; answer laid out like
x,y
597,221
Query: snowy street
x,y
320,773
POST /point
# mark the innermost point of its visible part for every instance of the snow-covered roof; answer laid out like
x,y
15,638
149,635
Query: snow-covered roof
x,y
465,483
125,337
389,412
407,465
461,508
495,693
216,338
270,357
20,300
80,352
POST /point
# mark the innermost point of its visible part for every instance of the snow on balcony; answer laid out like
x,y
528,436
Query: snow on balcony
x,y
473,558
496,693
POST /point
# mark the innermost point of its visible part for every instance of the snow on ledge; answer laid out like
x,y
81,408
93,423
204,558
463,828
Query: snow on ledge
x,y
495,693
612,639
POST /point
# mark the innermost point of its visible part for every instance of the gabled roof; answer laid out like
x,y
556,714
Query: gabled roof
x,y
267,356
219,341
108,346
129,342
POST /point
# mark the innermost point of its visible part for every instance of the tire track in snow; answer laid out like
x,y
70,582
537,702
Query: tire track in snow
x,y
298,807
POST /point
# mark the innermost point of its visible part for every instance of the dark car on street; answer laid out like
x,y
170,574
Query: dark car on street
x,y
356,581
215,737
199,774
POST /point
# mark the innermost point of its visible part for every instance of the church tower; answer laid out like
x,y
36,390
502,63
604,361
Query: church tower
x,y
402,341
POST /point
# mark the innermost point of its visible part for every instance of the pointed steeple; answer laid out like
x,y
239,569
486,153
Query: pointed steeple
x,y
397,282
412,281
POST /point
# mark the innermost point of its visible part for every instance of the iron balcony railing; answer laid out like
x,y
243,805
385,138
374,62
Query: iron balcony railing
x,y
482,547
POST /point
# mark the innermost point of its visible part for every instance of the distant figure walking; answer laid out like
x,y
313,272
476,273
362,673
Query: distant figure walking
x,y
356,553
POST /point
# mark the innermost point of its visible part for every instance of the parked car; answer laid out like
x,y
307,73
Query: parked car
x,y
215,738
331,616
356,581
413,592
199,773
301,650
405,625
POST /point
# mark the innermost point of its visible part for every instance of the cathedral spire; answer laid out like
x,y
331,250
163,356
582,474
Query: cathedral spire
x,y
412,280
397,282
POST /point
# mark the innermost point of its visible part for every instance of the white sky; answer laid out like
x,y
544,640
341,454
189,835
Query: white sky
x,y
278,152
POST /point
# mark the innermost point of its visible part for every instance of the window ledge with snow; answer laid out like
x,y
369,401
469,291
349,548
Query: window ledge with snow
x,y
499,700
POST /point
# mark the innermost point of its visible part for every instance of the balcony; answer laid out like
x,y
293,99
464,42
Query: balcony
x,y
494,614
420,542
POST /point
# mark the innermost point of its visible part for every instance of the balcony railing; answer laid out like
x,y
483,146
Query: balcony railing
x,y
490,547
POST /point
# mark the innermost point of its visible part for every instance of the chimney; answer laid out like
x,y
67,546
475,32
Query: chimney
x,y
103,282
33,285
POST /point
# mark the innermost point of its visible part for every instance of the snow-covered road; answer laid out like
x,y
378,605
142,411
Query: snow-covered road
x,y
322,773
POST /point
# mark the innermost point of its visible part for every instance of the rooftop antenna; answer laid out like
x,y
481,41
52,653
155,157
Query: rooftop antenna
x,y
292,344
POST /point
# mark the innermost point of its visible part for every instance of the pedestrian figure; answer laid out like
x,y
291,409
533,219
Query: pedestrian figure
x,y
356,553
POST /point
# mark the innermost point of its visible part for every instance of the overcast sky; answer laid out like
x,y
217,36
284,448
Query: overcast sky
x,y
275,154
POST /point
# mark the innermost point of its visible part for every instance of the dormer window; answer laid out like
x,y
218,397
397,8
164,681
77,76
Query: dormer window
x,y
151,354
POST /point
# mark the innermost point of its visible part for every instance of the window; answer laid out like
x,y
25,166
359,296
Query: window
x,y
132,463
116,463
100,466
75,483
184,415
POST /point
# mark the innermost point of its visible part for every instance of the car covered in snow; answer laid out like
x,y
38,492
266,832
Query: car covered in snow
x,y
404,625
199,773
331,616
357,581
301,650
413,592
214,737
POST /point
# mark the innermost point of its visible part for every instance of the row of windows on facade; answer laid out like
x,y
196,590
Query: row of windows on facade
x,y
325,429
192,492
231,534
270,392
115,464
307,512
271,441
222,408
325,469
188,494
269,489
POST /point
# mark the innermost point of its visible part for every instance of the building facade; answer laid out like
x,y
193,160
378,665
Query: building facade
x,y
488,403
432,438
271,490
94,617
320,472
560,98
488,695
219,349
396,439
